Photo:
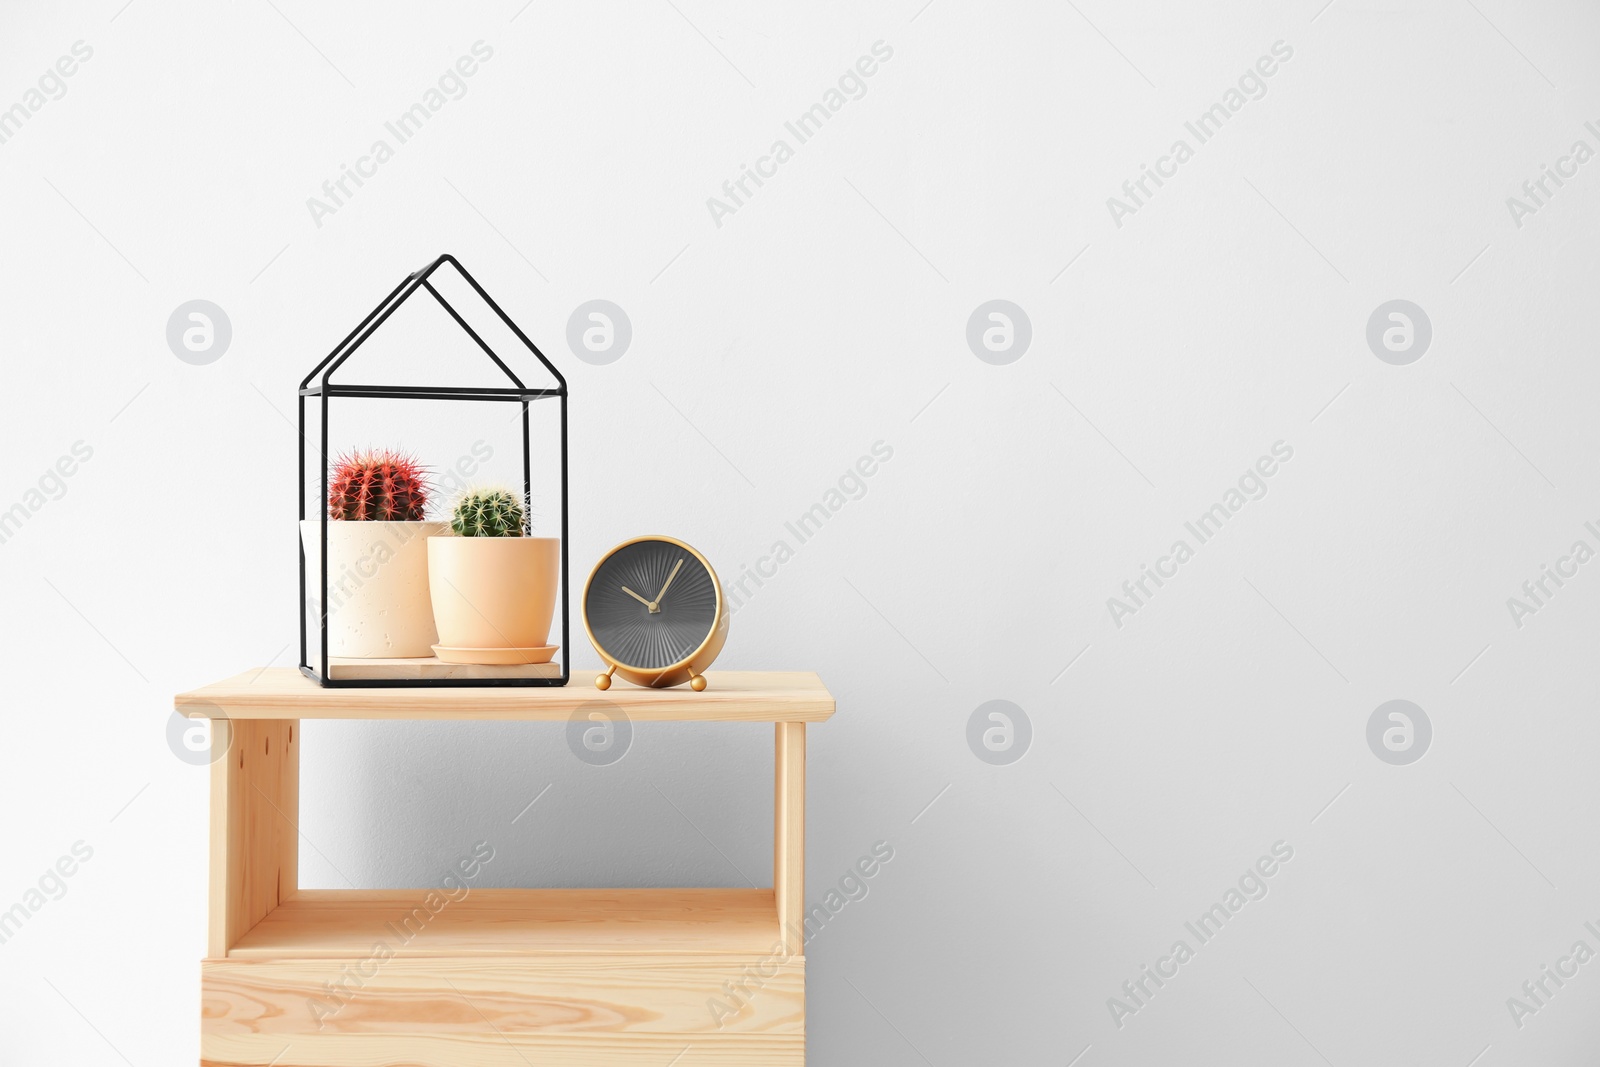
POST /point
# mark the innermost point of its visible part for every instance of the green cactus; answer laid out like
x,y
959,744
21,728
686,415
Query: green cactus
x,y
488,513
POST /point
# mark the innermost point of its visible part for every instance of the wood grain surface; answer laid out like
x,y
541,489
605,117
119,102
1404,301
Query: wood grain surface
x,y
346,923
731,696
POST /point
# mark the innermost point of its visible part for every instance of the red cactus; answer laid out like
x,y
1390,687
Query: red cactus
x,y
378,485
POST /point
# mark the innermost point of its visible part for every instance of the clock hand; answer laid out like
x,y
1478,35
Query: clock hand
x,y
663,592
639,598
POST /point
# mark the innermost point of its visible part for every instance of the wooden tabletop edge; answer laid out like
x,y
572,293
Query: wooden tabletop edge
x,y
802,693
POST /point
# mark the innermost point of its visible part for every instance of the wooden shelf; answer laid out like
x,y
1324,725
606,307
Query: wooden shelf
x,y
730,696
432,667
345,924
500,977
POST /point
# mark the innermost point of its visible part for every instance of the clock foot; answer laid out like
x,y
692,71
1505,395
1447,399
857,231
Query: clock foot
x,y
697,682
603,681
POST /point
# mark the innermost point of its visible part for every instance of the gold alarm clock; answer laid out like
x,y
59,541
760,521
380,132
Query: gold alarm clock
x,y
653,609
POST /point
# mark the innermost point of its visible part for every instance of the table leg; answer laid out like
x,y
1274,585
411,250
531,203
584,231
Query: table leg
x,y
789,834
255,807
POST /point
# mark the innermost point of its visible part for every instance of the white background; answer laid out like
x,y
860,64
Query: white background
x,y
768,354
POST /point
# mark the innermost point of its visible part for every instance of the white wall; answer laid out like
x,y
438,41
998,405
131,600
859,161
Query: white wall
x,y
769,353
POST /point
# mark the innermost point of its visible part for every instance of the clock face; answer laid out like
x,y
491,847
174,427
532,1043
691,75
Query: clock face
x,y
650,604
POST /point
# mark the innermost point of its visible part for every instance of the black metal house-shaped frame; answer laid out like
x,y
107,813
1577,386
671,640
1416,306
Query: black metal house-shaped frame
x,y
319,387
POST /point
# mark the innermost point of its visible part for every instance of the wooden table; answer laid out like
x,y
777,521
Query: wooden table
x,y
499,977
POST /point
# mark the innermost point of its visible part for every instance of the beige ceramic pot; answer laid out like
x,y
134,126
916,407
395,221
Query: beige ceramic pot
x,y
378,603
493,597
